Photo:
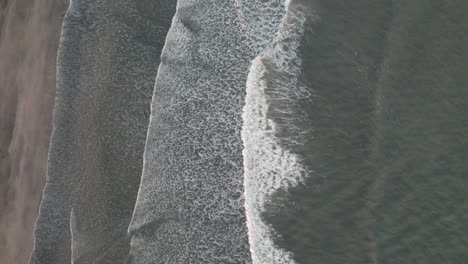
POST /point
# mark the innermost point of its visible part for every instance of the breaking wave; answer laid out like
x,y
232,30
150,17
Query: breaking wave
x,y
268,166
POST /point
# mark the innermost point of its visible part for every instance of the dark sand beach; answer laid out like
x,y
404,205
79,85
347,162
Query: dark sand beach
x,y
28,45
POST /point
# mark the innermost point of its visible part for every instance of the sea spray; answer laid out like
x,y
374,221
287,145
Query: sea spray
x,y
269,167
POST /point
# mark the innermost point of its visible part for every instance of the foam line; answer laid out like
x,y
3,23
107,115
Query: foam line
x,y
268,167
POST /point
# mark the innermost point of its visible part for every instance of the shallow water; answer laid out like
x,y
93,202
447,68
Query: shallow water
x,y
107,61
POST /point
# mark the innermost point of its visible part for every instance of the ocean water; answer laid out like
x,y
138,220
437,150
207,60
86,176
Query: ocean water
x,y
190,207
280,132
384,135
107,60
268,166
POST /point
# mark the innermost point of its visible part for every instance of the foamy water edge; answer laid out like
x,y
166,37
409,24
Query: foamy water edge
x,y
268,167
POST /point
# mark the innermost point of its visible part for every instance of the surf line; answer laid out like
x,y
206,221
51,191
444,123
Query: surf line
x,y
268,167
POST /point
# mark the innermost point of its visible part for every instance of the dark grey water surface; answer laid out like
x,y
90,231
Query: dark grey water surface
x,y
388,144
384,134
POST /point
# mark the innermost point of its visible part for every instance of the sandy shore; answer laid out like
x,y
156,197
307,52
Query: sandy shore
x,y
29,39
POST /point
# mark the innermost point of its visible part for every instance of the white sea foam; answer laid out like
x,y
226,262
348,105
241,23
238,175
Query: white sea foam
x,y
268,167
286,4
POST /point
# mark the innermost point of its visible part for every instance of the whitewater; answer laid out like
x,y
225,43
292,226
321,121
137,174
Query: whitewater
x,y
280,131
268,166
211,184
207,170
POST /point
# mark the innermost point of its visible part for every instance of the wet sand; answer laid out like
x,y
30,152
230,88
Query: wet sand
x,y
29,39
